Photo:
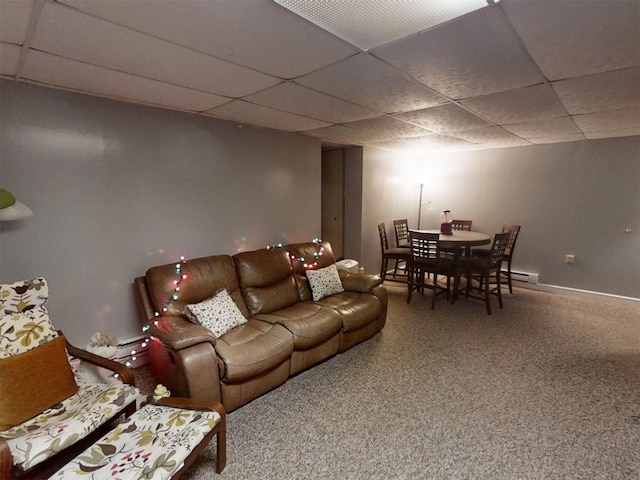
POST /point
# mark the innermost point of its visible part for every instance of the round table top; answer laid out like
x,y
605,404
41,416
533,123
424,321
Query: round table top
x,y
462,238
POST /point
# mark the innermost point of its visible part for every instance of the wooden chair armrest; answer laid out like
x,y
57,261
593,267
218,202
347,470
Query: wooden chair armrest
x,y
124,372
6,460
191,404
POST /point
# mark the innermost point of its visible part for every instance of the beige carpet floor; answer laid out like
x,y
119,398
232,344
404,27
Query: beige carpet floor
x,y
547,388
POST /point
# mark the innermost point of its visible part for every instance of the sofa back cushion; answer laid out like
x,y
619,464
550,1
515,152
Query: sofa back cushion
x,y
309,252
205,277
33,381
266,280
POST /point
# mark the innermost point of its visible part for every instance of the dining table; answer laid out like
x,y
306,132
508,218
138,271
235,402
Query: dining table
x,y
461,238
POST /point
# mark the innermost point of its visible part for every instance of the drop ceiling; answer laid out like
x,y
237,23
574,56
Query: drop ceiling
x,y
445,75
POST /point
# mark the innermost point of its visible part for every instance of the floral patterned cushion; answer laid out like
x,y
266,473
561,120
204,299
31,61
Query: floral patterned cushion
x,y
66,423
324,282
24,320
152,444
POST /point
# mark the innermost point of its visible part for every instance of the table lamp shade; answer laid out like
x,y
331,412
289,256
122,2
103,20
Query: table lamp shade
x,y
10,208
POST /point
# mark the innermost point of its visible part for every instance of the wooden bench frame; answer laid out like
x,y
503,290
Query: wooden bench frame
x,y
219,431
47,468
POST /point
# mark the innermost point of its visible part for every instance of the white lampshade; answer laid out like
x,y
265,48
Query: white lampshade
x,y
11,209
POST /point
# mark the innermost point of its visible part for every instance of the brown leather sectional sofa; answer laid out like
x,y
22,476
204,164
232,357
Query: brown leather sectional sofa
x,y
286,332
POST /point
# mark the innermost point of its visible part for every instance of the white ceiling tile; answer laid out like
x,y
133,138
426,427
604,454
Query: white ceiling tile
x,y
548,127
230,59
434,141
473,55
293,98
60,72
558,138
495,137
445,118
614,133
365,80
71,34
14,20
386,127
600,92
368,24
9,56
529,103
627,119
258,34
342,134
573,38
244,112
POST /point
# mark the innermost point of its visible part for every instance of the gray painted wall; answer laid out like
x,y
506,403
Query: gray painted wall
x,y
570,198
117,188
353,185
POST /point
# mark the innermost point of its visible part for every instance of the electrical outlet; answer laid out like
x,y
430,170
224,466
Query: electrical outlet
x,y
570,259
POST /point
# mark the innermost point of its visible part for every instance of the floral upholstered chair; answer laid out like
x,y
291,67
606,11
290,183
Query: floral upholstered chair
x,y
44,413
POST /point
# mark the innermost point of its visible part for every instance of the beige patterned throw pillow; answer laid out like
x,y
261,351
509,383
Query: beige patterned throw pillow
x,y
324,282
218,313
24,320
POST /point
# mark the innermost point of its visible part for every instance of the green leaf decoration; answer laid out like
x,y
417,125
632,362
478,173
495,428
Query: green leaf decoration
x,y
162,462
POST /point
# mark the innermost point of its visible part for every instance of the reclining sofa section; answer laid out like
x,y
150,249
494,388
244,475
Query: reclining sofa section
x,y
286,331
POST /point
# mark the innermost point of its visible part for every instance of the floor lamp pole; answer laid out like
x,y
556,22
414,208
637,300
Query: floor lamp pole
x,y
420,205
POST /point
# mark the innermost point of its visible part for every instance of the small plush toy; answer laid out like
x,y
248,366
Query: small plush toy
x,y
160,392
104,344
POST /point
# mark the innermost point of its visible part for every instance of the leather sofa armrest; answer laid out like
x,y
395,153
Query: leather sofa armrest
x,y
124,373
177,333
359,282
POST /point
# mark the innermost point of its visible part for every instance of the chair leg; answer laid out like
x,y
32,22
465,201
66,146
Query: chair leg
x,y
448,285
487,294
383,269
435,291
456,284
409,284
221,445
469,276
509,275
498,287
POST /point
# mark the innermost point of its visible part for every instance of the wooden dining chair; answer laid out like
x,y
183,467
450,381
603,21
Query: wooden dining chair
x,y
400,257
459,225
402,232
514,231
480,270
427,258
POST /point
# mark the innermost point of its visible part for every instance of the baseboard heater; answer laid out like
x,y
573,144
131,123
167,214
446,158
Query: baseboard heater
x,y
127,347
524,277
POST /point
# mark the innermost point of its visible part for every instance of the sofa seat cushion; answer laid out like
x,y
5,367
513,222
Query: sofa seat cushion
x,y
152,444
310,323
251,349
356,309
66,423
